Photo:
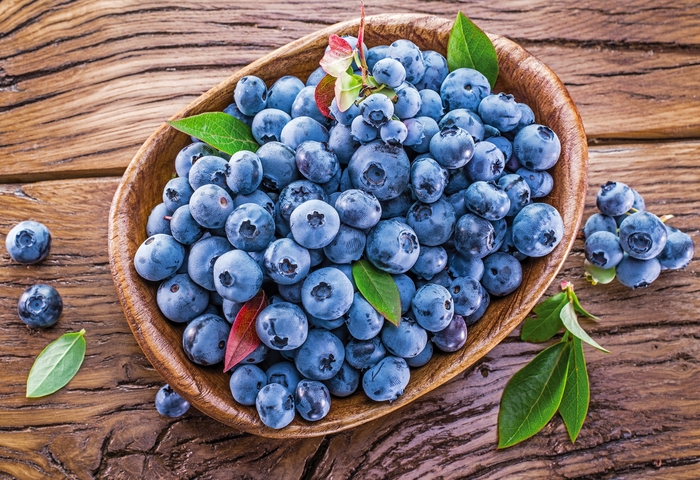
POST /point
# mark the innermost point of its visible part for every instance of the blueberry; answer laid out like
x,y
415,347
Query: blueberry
x,y
283,92
208,170
487,200
347,246
377,109
398,206
244,172
189,155
345,117
506,148
375,54
392,246
363,354
603,249
408,101
435,71
361,131
237,277
314,224
541,183
614,198
474,236
358,209
537,147
407,339
297,193
678,251
279,165
286,262
453,337
28,242
464,88
313,400
342,143
40,306
527,117
518,192
429,180
431,261
500,229
466,120
275,406
158,221
487,163
230,309
433,223
452,147
232,109
406,290
258,355
180,299
387,379
537,229
502,274
268,124
433,307
184,228
599,223
380,169
258,197
345,382
431,105
204,339
363,321
169,403
158,257
394,132
246,382
250,228
643,235
635,273
389,71
203,255
284,373
414,131
177,192
461,266
301,129
250,95
478,315
410,57
467,294
428,131
210,206
500,111
422,358
327,293
282,326
305,106
315,77
321,356
316,161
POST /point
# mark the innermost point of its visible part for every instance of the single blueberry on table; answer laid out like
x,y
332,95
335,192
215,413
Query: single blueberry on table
x,y
28,242
169,403
40,306
386,380
275,406
678,251
282,326
246,382
204,339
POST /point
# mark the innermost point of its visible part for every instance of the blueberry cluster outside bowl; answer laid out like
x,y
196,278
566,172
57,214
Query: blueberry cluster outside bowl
x,y
521,74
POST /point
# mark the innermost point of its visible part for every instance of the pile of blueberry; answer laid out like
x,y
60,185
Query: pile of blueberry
x,y
636,243
433,186
29,242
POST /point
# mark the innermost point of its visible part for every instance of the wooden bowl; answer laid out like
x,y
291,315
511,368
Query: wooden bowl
x,y
521,74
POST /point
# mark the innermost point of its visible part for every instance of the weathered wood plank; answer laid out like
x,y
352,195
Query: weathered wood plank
x,y
642,421
81,89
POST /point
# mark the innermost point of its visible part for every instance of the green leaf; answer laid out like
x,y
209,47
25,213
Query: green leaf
x,y
547,322
347,88
379,289
338,57
470,47
578,307
220,130
568,317
574,402
597,275
533,395
56,365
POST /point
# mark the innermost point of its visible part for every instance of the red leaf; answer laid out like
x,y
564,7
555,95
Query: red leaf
x,y
338,57
243,338
324,94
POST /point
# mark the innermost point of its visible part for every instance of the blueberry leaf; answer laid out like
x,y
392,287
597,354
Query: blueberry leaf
x,y
470,47
347,88
324,94
338,57
533,395
568,317
379,289
243,338
597,275
577,305
574,402
220,130
56,365
546,323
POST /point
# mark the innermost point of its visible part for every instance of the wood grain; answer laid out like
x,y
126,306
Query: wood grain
x,y
82,85
642,423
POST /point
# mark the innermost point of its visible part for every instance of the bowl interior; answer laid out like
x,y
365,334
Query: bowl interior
x,y
140,190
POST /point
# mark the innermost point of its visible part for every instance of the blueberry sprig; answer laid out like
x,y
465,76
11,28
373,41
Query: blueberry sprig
x,y
556,379
627,242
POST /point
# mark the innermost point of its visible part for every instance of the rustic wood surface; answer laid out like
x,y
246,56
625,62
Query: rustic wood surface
x,y
82,85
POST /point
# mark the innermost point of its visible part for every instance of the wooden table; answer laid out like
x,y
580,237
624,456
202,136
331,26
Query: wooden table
x,y
84,82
